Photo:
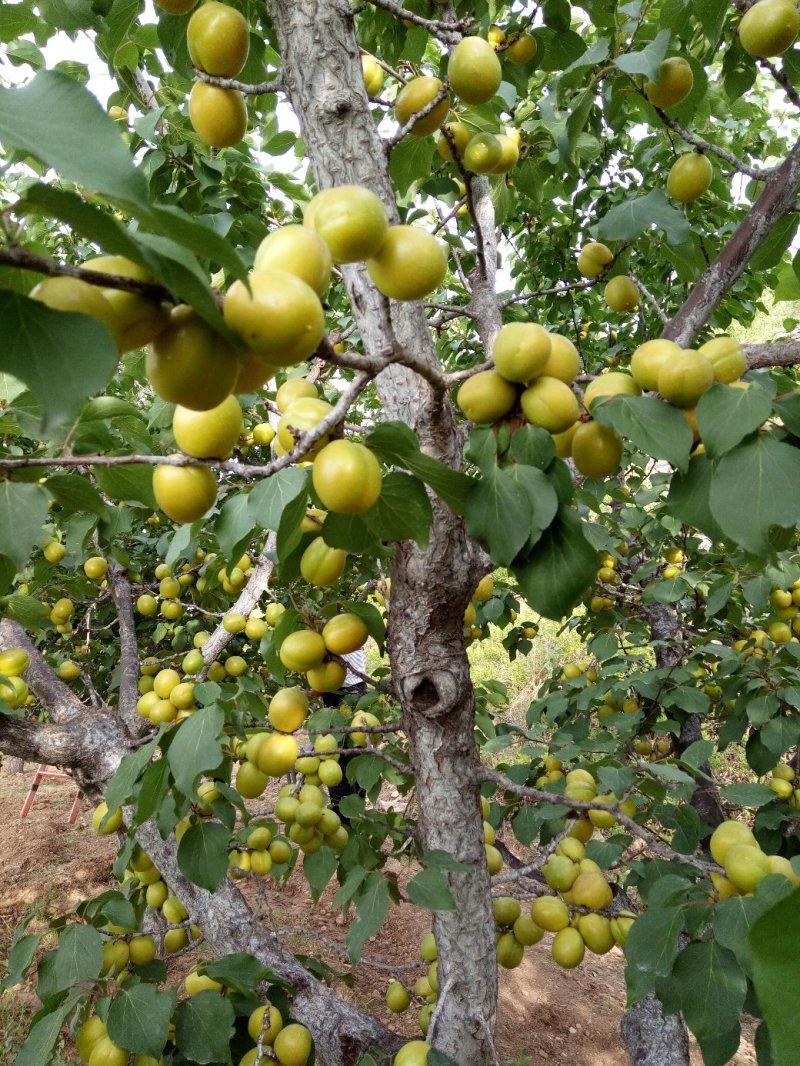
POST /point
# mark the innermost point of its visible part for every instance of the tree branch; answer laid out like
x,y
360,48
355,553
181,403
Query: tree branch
x,y
62,704
45,742
446,32
128,652
774,354
271,85
25,260
257,583
776,200
756,173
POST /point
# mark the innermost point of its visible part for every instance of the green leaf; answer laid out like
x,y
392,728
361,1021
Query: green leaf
x,y
289,532
319,868
203,854
30,613
777,240
23,512
725,416
272,495
37,1049
708,987
651,949
19,960
234,527
396,444
196,747
443,860
74,493
655,427
41,118
689,497
132,483
766,473
558,570
698,753
429,889
131,766
238,971
648,60
62,357
630,219
776,974
506,506
372,905
204,1026
138,1018
788,408
747,795
79,957
734,918
349,531
411,162
16,19
402,511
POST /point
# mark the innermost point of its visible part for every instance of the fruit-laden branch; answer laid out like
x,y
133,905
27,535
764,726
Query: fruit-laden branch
x,y
756,173
305,442
25,260
257,584
341,1032
128,652
653,842
778,198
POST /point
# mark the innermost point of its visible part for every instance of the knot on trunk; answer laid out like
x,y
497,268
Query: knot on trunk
x,y
433,693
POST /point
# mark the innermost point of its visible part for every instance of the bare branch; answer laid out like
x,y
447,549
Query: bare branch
x,y
555,290
248,598
774,354
271,85
56,745
756,173
447,32
128,652
649,297
653,842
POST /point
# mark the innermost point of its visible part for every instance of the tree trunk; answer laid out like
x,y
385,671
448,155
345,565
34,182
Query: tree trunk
x,y
652,1038
322,72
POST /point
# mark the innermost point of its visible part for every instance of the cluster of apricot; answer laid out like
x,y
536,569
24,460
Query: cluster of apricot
x,y
783,782
13,687
474,75
738,852
290,1044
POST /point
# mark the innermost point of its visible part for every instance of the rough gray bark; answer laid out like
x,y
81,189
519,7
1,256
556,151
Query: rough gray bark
x,y
322,73
652,1038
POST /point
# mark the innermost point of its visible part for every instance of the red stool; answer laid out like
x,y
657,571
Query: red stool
x,y
41,773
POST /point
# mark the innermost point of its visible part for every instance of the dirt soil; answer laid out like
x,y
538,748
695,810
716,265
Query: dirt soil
x,y
546,1015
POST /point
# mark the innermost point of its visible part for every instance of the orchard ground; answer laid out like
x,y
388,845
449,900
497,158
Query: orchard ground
x,y
546,1015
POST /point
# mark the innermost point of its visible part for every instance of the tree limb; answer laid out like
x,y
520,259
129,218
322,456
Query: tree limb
x,y
776,200
128,653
